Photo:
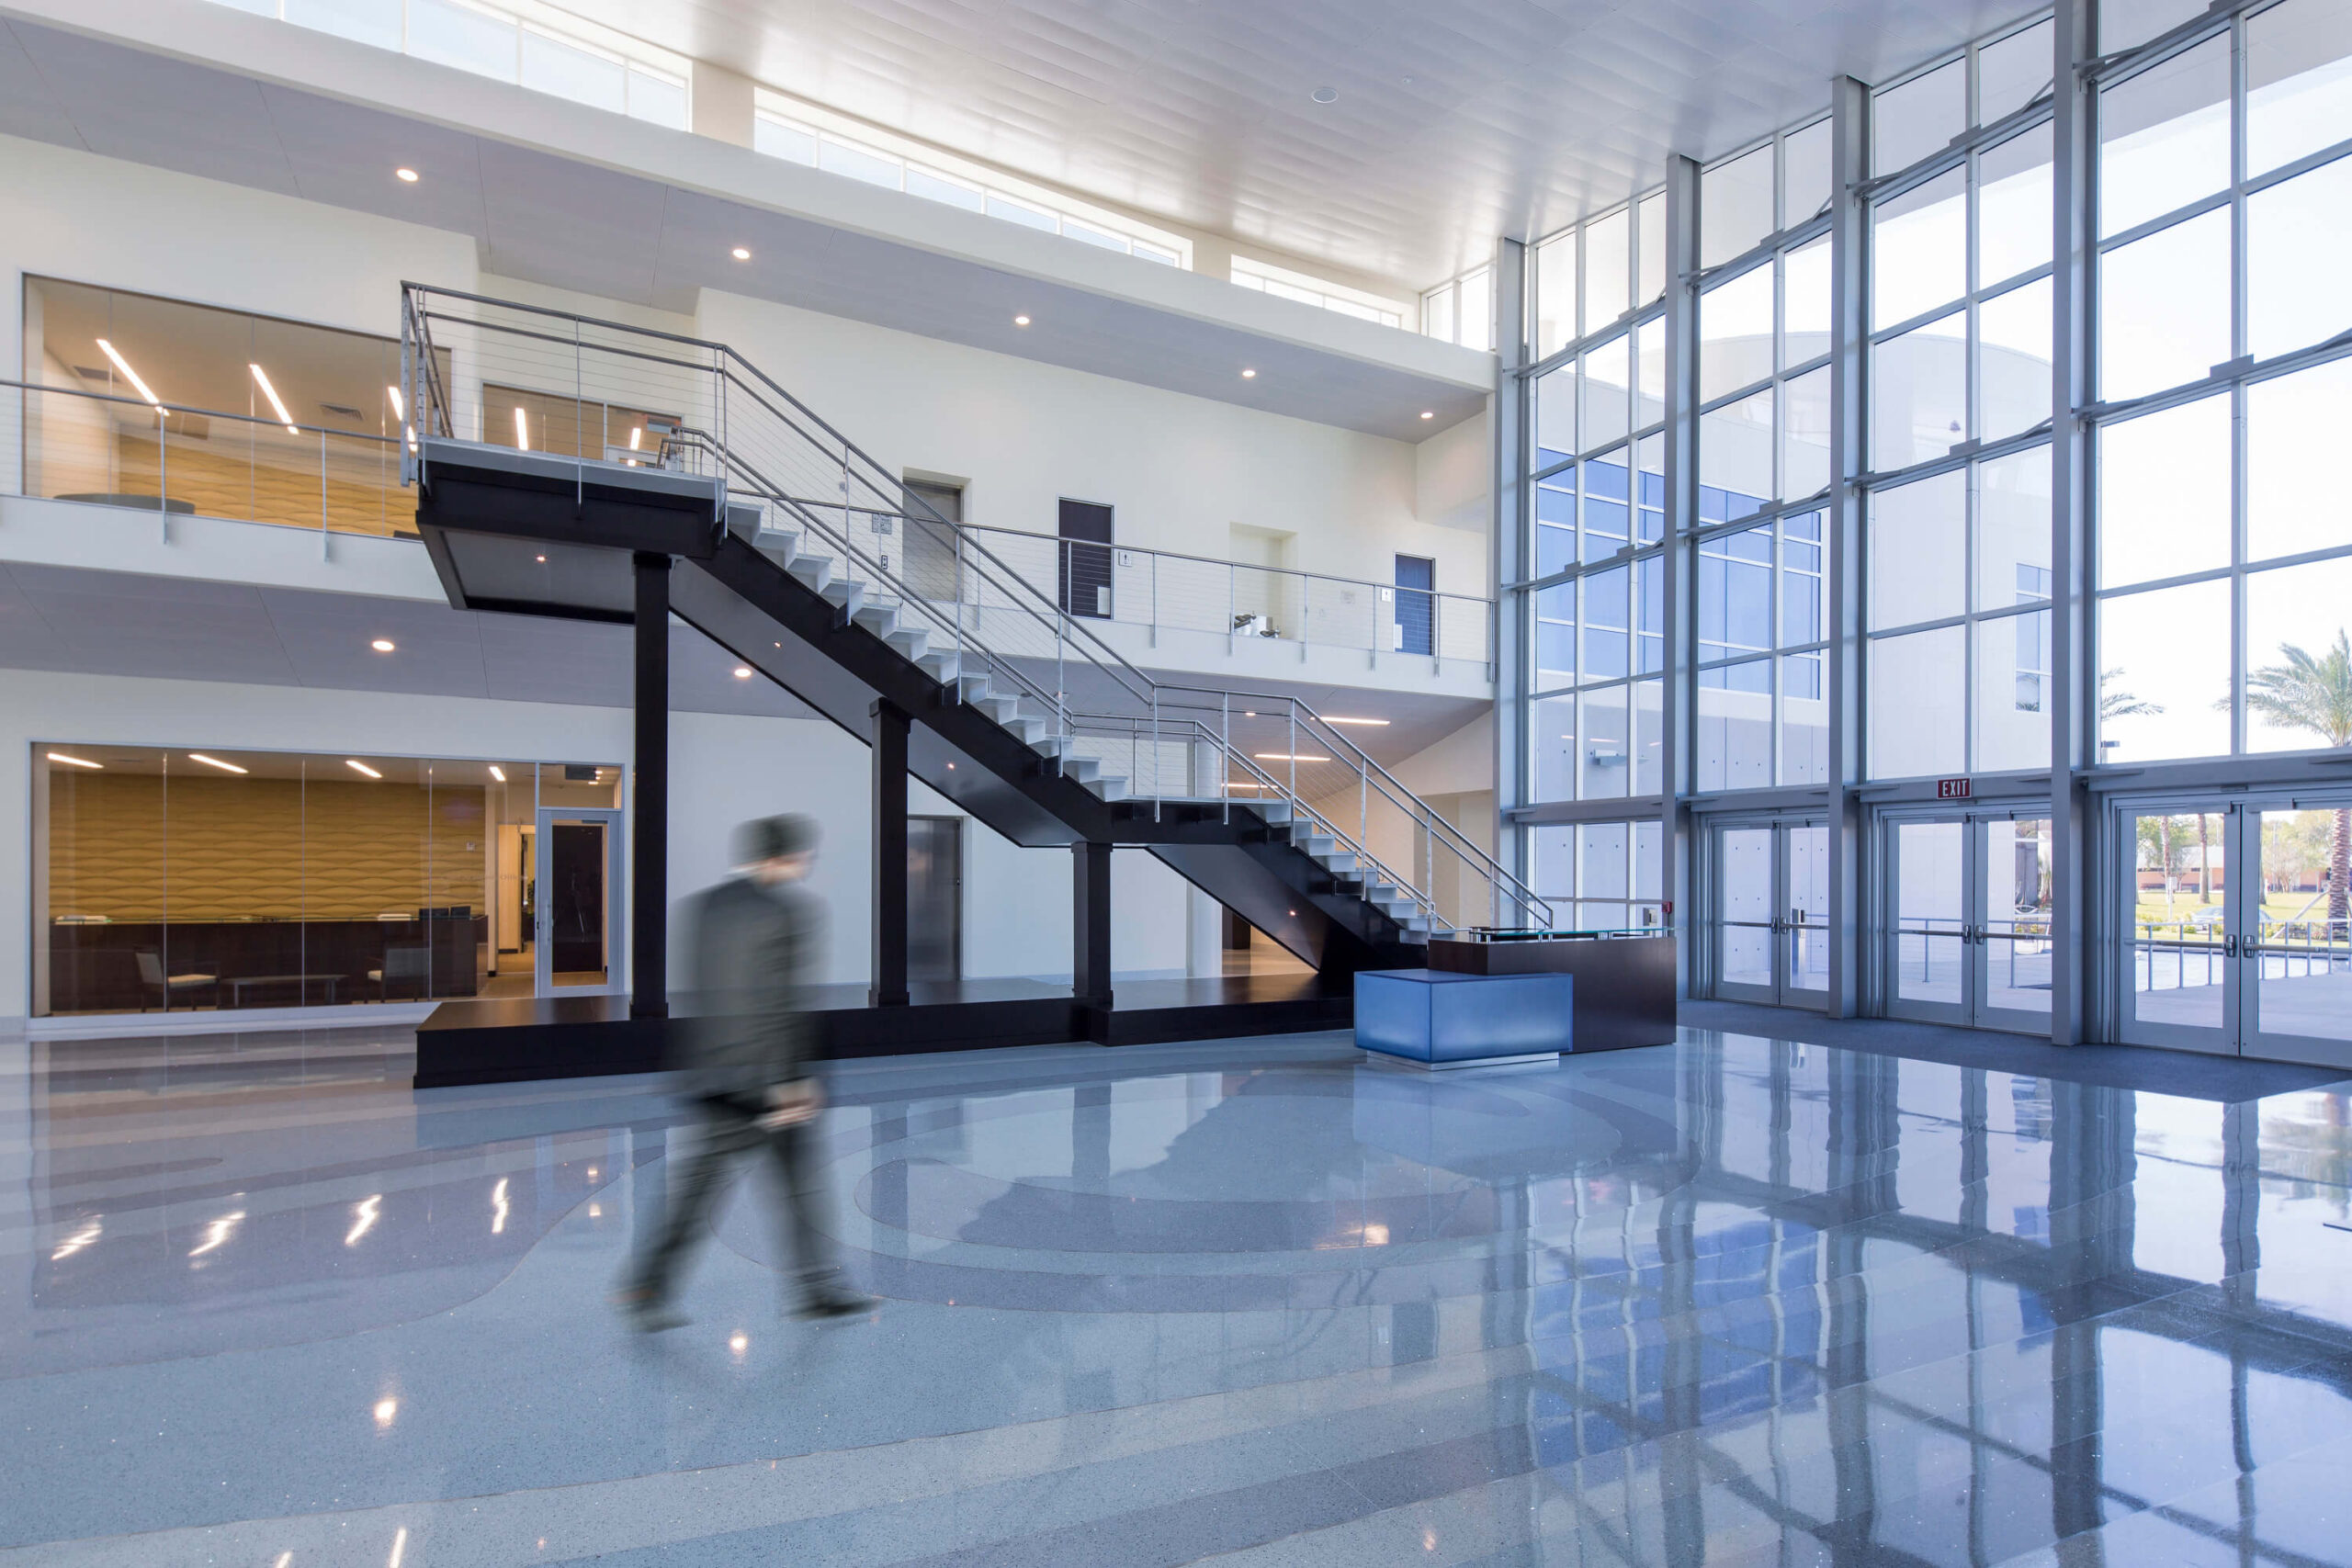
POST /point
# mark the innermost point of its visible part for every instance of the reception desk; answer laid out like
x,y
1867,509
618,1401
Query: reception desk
x,y
1624,983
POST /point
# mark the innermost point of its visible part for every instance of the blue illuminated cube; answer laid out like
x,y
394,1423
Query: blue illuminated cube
x,y
1441,1019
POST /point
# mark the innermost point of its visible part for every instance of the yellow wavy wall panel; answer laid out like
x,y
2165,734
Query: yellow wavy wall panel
x,y
228,849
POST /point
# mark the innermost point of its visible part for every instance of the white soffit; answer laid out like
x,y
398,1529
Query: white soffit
x,y
640,214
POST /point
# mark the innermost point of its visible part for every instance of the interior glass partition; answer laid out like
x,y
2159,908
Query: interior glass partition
x,y
179,880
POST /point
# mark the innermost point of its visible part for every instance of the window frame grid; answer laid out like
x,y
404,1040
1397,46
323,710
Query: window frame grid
x,y
1776,655
2233,377
1628,320
1972,614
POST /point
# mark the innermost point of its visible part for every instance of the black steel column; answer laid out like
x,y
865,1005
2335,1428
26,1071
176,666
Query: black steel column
x,y
649,941
1089,911
890,984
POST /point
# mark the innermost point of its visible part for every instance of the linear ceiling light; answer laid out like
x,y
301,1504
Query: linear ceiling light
x,y
522,430
275,403
498,773
1328,719
216,762
355,762
636,436
400,409
128,373
75,762
1287,757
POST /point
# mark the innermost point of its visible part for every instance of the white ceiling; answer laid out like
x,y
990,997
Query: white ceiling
x,y
604,230
1456,120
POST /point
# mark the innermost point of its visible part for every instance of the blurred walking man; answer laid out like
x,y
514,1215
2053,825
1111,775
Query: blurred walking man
x,y
745,1066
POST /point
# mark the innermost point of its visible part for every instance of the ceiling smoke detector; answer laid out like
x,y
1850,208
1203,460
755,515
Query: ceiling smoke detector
x,y
1325,95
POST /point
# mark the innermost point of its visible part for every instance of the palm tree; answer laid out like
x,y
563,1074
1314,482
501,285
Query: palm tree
x,y
2315,696
2121,705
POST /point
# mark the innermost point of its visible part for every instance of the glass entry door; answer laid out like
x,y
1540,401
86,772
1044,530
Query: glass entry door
x,y
1770,906
1968,933
577,910
2233,930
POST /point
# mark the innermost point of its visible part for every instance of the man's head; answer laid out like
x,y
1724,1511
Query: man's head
x,y
773,850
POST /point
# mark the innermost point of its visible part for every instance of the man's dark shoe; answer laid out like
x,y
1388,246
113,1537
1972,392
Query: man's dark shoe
x,y
647,1313
832,1303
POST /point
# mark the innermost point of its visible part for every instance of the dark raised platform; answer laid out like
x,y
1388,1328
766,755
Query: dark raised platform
x,y
1625,989
506,1040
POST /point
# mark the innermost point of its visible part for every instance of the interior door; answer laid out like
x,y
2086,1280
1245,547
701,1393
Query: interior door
x,y
577,906
934,897
2295,938
2177,926
1086,559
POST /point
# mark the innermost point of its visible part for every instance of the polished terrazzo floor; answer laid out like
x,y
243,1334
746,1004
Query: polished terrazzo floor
x,y
1733,1302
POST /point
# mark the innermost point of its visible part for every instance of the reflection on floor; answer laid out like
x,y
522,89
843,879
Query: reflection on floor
x,y
1734,1301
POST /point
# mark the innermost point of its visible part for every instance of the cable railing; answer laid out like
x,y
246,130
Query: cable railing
x,y
1164,591
175,459
603,398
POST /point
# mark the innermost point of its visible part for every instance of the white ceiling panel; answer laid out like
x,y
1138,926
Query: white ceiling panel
x,y
1454,122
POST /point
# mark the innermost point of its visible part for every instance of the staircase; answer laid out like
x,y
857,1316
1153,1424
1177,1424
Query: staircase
x,y
550,448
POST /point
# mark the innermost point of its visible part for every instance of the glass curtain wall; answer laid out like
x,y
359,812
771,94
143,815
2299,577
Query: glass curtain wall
x,y
1957,550
1761,709
2224,546
1598,876
1594,586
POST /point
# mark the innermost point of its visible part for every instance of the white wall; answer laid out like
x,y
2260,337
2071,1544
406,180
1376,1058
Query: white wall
x,y
724,769
86,219
1181,471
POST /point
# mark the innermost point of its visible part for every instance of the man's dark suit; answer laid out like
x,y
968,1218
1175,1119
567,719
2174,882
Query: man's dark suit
x,y
756,949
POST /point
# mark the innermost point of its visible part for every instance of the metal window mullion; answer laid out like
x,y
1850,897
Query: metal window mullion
x,y
1842,534
1959,457
2073,689
1678,429
1925,318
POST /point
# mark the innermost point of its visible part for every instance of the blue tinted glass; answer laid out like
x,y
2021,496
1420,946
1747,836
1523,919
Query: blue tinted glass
x,y
1557,604
1605,598
1652,489
1711,504
1604,654
1556,504
1736,506
1652,653
1800,607
1806,527
1801,676
1653,526
1747,605
1800,558
1555,646
1556,549
1753,676
1605,480
1755,544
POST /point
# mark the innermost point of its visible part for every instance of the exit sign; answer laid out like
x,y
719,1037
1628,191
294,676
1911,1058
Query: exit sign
x,y
1952,789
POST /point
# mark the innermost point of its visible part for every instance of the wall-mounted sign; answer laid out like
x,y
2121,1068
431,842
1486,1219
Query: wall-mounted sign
x,y
1953,789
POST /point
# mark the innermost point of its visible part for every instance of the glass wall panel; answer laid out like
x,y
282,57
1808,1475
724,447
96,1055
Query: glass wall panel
x,y
2163,670
2012,676
1805,435
2013,205
1919,250
2012,72
1805,720
1598,876
1805,174
219,879
2164,136
2294,481
1917,117
2298,86
1734,719
229,414
2295,295
1736,333
1917,718
2163,486
1919,393
2013,530
2164,308
1608,269
2013,384
1736,456
2298,657
1555,295
1735,202
1919,551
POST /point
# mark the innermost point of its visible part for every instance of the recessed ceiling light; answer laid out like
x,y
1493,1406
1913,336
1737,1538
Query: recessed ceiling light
x,y
1325,95
408,176
1020,320
1429,413
542,559
382,645
1249,375
215,763
73,761
356,764
498,773
741,254
1328,719
742,671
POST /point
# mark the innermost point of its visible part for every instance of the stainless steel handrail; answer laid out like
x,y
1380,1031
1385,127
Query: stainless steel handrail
x,y
202,412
